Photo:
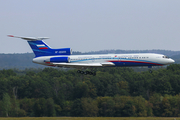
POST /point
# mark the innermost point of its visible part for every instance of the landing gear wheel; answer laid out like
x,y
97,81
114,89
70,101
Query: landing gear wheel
x,y
94,74
85,73
82,72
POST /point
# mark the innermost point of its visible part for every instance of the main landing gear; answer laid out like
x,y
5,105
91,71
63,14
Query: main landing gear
x,y
87,72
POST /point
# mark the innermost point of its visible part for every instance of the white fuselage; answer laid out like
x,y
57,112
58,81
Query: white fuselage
x,y
121,60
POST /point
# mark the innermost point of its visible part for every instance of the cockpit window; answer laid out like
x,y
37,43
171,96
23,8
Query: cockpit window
x,y
165,56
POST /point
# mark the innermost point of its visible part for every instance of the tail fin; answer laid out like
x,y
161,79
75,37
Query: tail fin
x,y
40,48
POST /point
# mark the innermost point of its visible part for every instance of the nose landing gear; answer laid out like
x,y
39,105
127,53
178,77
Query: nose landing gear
x,y
150,69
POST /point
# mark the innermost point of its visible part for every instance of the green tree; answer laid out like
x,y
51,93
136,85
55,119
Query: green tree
x,y
123,87
6,104
106,106
66,108
77,109
156,100
14,107
166,107
27,104
89,107
40,107
81,90
129,109
141,108
50,107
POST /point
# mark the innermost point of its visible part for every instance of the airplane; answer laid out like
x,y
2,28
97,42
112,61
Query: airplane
x,y
62,57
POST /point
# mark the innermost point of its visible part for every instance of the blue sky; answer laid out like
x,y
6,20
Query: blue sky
x,y
91,25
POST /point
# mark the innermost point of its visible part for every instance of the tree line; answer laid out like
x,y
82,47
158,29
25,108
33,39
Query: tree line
x,y
118,92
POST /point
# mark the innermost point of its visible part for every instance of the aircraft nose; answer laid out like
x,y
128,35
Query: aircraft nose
x,y
172,61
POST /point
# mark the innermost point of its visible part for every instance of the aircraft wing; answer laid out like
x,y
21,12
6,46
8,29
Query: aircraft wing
x,y
75,65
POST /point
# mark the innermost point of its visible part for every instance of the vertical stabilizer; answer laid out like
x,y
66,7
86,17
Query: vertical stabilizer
x,y
40,48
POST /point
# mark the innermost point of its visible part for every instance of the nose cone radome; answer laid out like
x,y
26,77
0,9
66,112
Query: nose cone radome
x,y
171,61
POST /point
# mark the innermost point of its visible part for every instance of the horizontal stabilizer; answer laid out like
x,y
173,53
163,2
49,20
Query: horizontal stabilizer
x,y
29,38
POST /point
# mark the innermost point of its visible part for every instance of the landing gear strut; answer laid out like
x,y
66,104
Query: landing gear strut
x,y
87,72
150,69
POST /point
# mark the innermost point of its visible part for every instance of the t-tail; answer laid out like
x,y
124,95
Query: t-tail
x,y
40,48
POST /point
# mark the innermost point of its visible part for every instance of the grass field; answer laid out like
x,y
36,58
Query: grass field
x,y
89,118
